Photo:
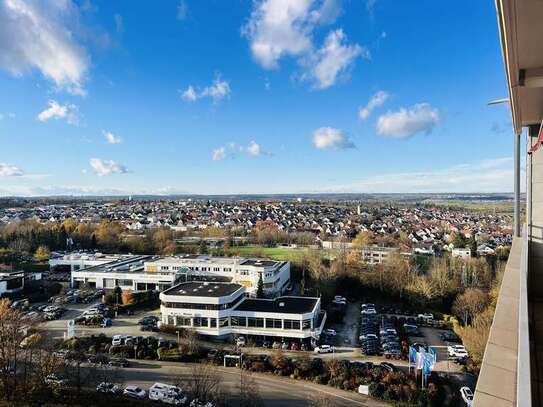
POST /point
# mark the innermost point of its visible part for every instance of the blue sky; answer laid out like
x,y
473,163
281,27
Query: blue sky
x,y
273,96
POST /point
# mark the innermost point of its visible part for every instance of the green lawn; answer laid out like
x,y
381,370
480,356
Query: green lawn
x,y
276,253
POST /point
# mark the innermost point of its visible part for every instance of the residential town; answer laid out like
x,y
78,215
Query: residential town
x,y
427,228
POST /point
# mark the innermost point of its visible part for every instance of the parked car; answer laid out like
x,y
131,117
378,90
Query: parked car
x,y
388,366
467,396
457,351
110,388
117,340
276,345
99,359
135,392
54,380
324,349
119,362
149,328
240,341
149,320
331,332
167,394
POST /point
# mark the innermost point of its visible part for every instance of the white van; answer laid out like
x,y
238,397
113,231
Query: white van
x,y
167,393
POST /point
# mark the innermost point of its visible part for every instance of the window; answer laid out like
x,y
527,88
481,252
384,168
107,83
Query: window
x,y
255,322
238,321
223,322
291,324
306,324
200,322
125,283
213,322
171,320
273,323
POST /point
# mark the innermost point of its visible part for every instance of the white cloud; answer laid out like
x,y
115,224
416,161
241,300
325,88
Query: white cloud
x,y
106,167
67,111
218,90
189,94
111,138
254,149
376,101
231,150
328,138
219,154
277,28
8,170
38,35
333,58
494,175
182,10
420,118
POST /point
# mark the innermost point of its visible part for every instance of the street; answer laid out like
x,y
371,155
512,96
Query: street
x,y
275,391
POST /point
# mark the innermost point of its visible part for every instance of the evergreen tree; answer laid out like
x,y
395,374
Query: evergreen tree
x,y
260,287
93,242
203,247
472,244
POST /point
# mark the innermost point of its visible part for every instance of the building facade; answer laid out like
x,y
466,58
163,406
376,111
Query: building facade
x,y
140,273
223,310
244,271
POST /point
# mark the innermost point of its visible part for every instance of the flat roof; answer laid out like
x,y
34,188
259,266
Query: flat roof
x,y
203,289
283,305
259,262
132,264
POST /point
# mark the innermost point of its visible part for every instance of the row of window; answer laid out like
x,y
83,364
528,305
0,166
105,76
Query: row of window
x,y
208,307
249,322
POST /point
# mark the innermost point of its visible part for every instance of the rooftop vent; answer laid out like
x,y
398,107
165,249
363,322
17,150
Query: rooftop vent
x,y
209,291
206,283
281,304
216,287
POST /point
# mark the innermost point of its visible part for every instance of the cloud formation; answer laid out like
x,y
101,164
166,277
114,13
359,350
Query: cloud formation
x,y
217,91
219,154
38,35
106,167
281,28
329,138
112,138
8,170
334,58
406,122
486,176
375,101
253,149
57,111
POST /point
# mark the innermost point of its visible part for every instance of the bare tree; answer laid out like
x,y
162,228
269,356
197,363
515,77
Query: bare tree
x,y
249,395
205,382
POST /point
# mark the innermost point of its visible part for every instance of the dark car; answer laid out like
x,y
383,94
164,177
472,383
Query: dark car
x,y
388,366
149,328
149,320
119,362
99,359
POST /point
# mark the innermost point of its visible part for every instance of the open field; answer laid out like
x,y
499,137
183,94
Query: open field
x,y
276,253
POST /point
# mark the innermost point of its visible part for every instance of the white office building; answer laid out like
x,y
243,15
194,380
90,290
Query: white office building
x,y
244,271
128,273
141,273
80,260
223,309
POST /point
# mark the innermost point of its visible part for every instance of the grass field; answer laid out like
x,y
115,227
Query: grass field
x,y
276,253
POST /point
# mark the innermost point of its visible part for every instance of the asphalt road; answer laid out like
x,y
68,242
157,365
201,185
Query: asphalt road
x,y
275,391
